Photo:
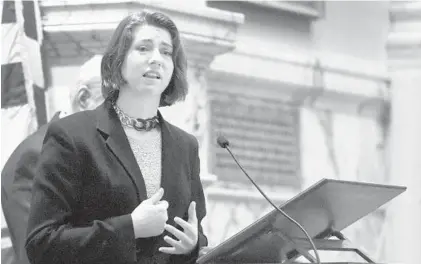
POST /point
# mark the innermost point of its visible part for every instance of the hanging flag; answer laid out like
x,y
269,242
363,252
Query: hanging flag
x,y
22,77
12,79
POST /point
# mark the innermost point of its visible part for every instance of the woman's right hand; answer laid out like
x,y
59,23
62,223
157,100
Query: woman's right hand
x,y
149,217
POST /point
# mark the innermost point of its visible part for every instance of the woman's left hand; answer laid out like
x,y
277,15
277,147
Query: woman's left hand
x,y
187,240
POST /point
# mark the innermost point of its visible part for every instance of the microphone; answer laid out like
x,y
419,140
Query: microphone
x,y
224,143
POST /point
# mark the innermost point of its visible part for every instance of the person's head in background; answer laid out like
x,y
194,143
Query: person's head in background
x,y
87,94
129,55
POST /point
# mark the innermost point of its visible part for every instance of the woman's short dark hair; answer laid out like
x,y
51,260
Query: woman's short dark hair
x,y
121,42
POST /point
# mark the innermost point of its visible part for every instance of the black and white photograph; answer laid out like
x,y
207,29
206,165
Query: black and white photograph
x,y
210,132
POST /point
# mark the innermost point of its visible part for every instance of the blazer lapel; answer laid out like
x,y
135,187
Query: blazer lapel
x,y
171,154
111,129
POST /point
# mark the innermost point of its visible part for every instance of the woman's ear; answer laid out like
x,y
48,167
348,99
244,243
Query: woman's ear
x,y
83,96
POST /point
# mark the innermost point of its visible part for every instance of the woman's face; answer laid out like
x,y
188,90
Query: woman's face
x,y
148,65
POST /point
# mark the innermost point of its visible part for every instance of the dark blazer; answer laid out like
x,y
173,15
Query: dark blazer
x,y
88,183
17,178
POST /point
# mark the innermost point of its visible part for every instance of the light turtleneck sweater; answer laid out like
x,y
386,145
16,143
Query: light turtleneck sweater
x,y
147,149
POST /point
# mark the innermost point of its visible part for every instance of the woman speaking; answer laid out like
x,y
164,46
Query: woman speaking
x,y
119,184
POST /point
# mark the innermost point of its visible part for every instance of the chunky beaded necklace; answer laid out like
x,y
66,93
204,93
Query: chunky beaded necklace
x,y
138,124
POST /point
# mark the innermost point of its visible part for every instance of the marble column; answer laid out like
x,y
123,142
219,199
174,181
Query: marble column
x,y
198,118
403,240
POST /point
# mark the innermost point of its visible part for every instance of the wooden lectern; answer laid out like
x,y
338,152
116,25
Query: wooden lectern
x,y
324,210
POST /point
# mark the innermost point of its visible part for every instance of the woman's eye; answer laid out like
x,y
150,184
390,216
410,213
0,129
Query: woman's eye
x,y
142,48
167,52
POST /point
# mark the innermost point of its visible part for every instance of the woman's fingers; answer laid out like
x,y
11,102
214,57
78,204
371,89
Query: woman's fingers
x,y
180,235
186,240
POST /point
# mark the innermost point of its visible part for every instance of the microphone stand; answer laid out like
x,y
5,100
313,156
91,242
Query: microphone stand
x,y
225,144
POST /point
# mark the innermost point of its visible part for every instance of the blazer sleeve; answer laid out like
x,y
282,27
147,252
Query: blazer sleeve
x,y
57,188
199,197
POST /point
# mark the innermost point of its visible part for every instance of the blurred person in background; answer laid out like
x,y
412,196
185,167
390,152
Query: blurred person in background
x,y
119,184
18,173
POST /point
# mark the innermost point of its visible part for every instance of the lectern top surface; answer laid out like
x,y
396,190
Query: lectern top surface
x,y
328,205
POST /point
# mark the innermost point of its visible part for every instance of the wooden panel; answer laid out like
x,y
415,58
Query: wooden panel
x,y
263,134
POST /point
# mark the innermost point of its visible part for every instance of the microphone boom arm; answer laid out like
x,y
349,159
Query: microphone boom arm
x,y
223,143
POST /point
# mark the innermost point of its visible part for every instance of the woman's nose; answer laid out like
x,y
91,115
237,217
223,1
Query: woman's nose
x,y
156,57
